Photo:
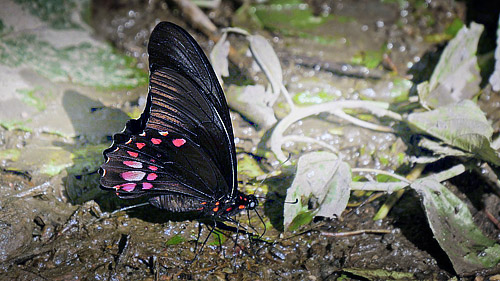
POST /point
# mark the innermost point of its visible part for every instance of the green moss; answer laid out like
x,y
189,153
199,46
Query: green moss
x,y
87,159
10,154
29,97
290,17
83,64
16,125
58,13
370,58
307,98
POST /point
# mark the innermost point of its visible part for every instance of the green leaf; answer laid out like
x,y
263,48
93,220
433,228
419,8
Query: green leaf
x,y
461,125
454,229
321,186
456,76
175,240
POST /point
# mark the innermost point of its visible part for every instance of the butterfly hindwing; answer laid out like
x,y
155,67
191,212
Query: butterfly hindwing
x,y
151,163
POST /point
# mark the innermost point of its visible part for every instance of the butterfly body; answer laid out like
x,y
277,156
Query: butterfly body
x,y
180,153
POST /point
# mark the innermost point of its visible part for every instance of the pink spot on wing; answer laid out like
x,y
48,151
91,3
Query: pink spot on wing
x,y
133,164
155,141
152,160
153,168
152,177
126,186
140,145
133,154
133,175
179,142
147,185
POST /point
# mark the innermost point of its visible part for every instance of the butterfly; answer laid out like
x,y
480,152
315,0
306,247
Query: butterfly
x,y
180,153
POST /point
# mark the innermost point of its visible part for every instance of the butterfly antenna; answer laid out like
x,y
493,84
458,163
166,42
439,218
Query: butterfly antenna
x,y
129,207
268,175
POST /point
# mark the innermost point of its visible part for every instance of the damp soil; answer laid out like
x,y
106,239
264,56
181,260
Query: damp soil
x,y
47,234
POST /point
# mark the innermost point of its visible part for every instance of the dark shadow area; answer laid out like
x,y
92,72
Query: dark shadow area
x,y
408,215
275,198
94,125
486,13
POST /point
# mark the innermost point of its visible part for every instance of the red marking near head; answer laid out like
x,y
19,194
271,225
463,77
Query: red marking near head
x,y
179,142
241,207
140,145
215,209
229,209
133,164
217,203
133,154
152,177
147,185
133,175
153,168
163,133
203,203
155,141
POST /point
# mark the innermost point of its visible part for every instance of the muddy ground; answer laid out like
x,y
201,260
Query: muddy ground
x,y
60,227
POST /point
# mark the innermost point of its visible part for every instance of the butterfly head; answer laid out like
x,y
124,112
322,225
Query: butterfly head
x,y
248,202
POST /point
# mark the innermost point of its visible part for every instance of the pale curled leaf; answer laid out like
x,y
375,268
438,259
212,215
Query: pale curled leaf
x,y
252,102
267,59
456,76
218,57
462,125
453,227
321,185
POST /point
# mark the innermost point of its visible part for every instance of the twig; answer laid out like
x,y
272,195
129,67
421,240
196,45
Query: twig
x,y
492,219
393,198
369,170
288,99
197,17
34,190
388,187
341,114
355,232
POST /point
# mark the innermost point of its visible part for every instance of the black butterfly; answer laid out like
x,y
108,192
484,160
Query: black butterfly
x,y
180,153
